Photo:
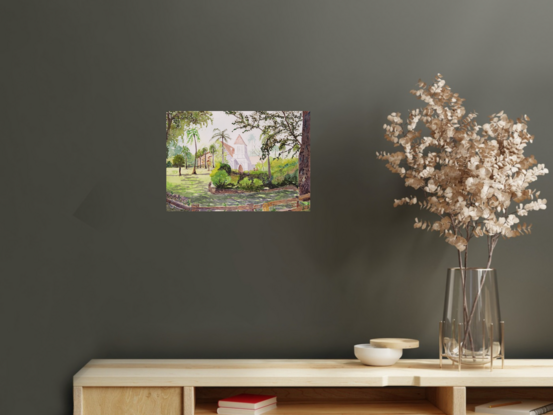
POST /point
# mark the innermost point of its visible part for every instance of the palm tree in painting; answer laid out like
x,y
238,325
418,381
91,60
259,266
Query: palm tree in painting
x,y
193,137
199,156
186,153
204,153
224,137
212,150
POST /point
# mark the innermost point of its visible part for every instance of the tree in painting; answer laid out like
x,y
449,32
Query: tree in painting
x,y
223,137
213,150
178,161
192,137
187,156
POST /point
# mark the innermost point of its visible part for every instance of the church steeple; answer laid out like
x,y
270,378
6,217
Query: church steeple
x,y
239,140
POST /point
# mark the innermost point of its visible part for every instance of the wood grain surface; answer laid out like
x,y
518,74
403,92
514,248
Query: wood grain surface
x,y
450,400
302,373
132,401
77,400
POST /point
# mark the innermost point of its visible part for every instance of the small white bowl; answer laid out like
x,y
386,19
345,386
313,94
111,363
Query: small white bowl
x,y
376,356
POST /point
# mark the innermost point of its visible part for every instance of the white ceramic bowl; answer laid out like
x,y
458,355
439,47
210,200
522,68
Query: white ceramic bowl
x,y
376,356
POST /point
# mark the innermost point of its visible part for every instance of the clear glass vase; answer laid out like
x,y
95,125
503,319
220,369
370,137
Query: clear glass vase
x,y
471,331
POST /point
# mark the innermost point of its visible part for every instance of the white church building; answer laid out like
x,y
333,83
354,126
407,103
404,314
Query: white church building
x,y
237,155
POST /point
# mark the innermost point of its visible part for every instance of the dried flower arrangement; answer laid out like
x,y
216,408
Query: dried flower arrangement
x,y
475,178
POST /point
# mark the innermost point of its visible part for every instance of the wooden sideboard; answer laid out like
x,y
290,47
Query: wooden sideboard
x,y
187,387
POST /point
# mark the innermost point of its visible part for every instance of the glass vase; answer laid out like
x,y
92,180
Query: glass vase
x,y
471,332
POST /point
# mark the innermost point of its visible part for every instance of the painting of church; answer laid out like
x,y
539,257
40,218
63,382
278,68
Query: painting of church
x,y
237,155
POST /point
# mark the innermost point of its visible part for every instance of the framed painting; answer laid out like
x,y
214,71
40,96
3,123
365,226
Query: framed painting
x,y
238,161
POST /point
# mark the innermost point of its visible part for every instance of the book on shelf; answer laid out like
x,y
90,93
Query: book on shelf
x,y
515,407
243,411
246,404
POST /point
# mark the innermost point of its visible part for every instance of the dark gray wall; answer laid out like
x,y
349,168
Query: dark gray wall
x,y
93,267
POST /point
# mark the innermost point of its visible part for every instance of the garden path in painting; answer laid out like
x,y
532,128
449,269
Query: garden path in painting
x,y
194,188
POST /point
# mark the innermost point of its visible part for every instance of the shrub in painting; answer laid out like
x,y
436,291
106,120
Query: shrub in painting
x,y
221,180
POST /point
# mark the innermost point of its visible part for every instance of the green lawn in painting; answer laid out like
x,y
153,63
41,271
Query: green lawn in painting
x,y
194,187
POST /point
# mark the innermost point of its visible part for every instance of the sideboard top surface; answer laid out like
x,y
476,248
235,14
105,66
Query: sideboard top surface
x,y
305,373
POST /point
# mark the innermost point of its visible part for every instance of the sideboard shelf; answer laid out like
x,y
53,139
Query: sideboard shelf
x,y
425,408
177,387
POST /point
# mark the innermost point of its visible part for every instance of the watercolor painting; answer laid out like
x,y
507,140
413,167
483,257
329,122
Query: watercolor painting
x,y
241,161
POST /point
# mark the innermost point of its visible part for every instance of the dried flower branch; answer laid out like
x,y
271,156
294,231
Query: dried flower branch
x,y
475,178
